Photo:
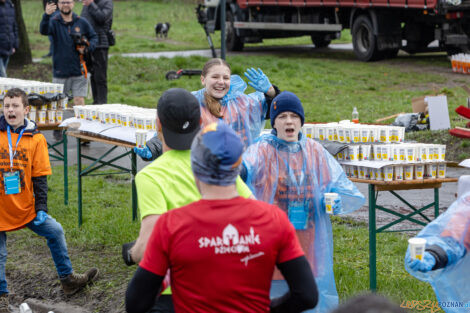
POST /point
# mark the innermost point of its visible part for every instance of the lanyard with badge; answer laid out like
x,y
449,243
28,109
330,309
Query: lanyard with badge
x,y
297,210
11,179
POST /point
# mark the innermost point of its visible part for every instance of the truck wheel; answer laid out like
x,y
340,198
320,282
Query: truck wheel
x,y
320,41
234,43
364,40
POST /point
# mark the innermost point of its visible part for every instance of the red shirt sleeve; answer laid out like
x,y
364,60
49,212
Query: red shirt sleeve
x,y
156,257
290,247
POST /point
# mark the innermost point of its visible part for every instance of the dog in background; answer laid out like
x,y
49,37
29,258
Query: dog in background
x,y
161,29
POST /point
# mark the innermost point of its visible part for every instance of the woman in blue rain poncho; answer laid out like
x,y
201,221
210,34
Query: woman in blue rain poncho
x,y
294,172
223,97
446,263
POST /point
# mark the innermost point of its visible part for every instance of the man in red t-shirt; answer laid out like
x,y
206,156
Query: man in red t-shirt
x,y
221,250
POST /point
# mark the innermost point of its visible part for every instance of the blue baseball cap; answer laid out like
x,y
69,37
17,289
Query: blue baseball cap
x,y
216,154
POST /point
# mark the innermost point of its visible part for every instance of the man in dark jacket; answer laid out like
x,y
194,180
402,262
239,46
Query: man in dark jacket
x,y
66,28
8,34
100,15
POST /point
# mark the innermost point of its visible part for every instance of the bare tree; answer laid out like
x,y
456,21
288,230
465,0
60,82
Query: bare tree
x,y
23,55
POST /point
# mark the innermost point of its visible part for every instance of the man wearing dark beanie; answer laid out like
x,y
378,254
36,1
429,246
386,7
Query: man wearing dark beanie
x,y
168,182
294,172
222,249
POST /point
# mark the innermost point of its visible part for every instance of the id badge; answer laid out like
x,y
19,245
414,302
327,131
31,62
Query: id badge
x,y
297,214
12,183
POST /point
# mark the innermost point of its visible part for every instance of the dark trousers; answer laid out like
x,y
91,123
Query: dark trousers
x,y
164,304
99,77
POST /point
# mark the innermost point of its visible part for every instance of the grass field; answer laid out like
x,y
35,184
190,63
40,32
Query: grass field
x,y
329,83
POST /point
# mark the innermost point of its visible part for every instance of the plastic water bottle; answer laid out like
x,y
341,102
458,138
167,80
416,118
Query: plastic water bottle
x,y
24,308
355,116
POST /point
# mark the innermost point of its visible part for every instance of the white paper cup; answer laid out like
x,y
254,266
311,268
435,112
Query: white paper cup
x,y
59,115
377,152
435,155
386,152
408,172
41,116
394,134
32,116
384,134
54,105
355,134
378,174
431,170
353,153
81,113
373,136
441,170
330,133
341,136
388,173
321,133
76,111
148,123
330,198
354,172
365,134
362,172
51,117
410,153
308,131
398,172
442,152
417,246
335,134
365,151
340,155
419,171
401,136
430,152
370,173
347,134
140,138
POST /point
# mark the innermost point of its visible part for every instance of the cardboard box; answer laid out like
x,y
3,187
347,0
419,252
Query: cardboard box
x,y
419,104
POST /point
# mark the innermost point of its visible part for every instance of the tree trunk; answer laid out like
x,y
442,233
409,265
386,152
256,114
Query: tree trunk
x,y
23,55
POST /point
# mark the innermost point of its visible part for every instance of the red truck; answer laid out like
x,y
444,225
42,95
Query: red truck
x,y
379,28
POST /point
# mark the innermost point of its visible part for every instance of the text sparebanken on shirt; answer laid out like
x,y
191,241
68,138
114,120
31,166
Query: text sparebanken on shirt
x,y
221,253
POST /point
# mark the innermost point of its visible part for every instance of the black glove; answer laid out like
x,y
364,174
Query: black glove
x,y
126,253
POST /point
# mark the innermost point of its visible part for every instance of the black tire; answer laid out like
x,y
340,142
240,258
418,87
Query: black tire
x,y
172,75
234,43
364,40
320,41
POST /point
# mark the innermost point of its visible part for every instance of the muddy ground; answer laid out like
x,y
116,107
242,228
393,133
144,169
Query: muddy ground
x,y
47,295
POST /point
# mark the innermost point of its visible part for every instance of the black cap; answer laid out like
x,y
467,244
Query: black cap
x,y
179,113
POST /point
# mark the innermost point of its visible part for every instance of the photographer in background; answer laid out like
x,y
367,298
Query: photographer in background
x,y
65,28
8,34
100,15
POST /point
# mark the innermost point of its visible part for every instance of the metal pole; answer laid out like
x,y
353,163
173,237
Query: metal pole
x,y
436,202
66,163
79,175
134,188
222,29
372,243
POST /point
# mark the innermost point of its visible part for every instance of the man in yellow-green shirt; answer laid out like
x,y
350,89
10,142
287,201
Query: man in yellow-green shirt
x,y
168,182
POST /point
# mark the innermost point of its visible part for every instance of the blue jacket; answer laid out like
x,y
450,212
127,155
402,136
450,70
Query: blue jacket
x,y
66,59
8,28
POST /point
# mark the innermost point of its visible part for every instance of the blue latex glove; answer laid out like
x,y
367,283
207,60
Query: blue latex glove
x,y
258,80
337,205
424,265
41,216
143,152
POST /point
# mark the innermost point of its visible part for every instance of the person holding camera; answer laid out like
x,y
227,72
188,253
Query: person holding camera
x,y
99,13
8,34
72,38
